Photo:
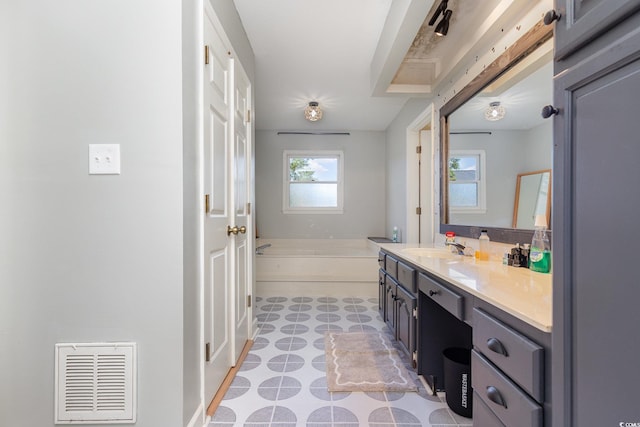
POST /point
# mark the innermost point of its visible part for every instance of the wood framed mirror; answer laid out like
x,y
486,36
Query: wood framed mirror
x,y
526,59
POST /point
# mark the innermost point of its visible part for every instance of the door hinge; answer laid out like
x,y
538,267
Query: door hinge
x,y
206,203
206,54
248,208
419,149
418,210
207,352
248,116
415,313
248,300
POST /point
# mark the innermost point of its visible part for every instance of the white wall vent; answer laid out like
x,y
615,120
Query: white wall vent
x,y
95,383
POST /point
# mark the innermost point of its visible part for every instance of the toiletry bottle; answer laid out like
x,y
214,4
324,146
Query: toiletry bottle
x,y
450,237
395,235
540,252
483,252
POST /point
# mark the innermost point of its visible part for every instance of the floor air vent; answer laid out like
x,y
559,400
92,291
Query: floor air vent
x,y
95,383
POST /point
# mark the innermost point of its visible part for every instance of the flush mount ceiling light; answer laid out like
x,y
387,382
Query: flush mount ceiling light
x,y
312,112
495,112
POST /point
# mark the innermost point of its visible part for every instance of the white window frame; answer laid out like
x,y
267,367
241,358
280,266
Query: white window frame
x,y
287,154
481,207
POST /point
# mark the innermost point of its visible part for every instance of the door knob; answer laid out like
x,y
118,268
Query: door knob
x,y
551,16
548,111
235,230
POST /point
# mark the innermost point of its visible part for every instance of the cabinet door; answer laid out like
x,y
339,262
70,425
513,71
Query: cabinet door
x,y
405,322
382,292
596,339
583,20
390,304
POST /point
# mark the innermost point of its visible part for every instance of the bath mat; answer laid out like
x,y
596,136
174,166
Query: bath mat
x,y
359,361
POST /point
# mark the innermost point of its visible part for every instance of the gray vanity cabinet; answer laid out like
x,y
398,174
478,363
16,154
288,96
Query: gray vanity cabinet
x,y
397,301
596,190
406,312
390,303
507,370
382,291
582,21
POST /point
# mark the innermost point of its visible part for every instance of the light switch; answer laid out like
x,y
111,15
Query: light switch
x,y
104,159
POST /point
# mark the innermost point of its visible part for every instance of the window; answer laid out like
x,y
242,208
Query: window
x,y
312,182
466,181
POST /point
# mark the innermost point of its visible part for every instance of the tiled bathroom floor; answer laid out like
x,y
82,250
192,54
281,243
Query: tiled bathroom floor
x,y
282,381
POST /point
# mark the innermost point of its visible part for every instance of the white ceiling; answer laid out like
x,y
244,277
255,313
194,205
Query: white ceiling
x,y
360,59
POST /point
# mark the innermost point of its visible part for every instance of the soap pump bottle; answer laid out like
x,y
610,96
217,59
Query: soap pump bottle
x,y
540,252
395,235
483,252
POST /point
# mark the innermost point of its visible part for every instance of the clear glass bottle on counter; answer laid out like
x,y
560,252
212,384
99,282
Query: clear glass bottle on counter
x,y
483,251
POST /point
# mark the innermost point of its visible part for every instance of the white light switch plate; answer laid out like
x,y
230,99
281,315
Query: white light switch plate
x,y
104,159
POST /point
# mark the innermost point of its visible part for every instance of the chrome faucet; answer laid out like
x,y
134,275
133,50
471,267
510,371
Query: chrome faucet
x,y
458,246
259,249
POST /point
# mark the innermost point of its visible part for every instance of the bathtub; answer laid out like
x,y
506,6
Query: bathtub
x,y
322,267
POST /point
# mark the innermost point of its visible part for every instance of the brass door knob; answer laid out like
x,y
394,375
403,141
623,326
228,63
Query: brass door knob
x,y
235,230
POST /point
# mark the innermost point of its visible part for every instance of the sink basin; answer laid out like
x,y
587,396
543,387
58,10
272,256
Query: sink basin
x,y
429,253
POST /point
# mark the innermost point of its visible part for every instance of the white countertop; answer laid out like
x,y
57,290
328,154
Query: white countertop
x,y
520,292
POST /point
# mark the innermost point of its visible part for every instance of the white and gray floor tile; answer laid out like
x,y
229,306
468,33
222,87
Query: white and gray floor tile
x,y
282,382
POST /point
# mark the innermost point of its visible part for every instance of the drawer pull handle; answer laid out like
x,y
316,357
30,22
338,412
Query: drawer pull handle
x,y
432,292
494,395
496,346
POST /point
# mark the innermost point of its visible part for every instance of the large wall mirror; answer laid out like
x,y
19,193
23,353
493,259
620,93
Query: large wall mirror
x,y
496,148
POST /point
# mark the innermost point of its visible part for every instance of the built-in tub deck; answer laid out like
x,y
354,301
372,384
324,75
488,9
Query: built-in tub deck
x,y
338,267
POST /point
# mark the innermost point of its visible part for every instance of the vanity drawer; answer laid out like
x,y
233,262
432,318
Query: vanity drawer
x,y
449,300
391,266
505,399
482,415
407,277
515,354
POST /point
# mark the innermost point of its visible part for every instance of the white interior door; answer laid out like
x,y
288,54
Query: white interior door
x,y
218,210
241,189
419,176
426,187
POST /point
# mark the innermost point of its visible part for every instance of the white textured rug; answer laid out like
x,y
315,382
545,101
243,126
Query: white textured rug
x,y
364,361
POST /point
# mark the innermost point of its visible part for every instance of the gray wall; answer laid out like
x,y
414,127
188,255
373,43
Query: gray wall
x,y
508,153
396,152
191,327
100,258
92,258
364,178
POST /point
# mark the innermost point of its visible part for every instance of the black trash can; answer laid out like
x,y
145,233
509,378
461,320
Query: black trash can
x,y
457,380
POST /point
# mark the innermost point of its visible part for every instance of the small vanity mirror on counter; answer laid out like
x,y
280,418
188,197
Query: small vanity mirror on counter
x,y
496,147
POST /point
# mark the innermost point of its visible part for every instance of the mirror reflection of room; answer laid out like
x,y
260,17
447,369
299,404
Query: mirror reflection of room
x,y
533,199
497,136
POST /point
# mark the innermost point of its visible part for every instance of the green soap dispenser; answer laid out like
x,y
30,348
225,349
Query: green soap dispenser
x,y
540,253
